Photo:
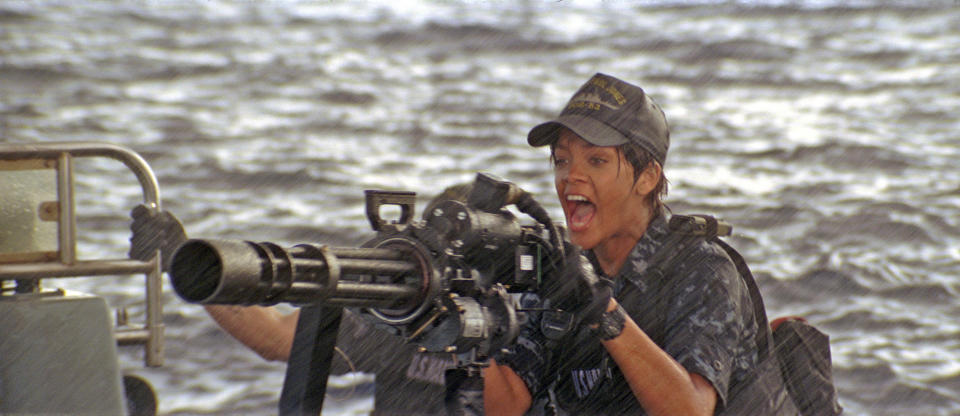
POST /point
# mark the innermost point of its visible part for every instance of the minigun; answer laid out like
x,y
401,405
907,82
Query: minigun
x,y
443,283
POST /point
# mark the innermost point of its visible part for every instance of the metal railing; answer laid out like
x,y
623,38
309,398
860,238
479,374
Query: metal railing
x,y
150,334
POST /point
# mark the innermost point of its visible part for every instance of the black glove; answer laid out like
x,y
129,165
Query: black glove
x,y
155,230
575,287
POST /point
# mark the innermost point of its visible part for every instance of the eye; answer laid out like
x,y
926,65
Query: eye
x,y
596,160
559,162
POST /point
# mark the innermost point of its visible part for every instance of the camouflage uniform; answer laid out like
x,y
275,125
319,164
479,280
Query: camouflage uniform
x,y
700,313
407,382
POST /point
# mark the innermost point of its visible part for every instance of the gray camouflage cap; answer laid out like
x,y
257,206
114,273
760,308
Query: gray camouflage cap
x,y
607,111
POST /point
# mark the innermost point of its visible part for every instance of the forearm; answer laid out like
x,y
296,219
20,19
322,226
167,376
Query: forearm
x,y
660,383
504,392
266,331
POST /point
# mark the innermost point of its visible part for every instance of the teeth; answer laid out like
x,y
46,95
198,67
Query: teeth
x,y
578,198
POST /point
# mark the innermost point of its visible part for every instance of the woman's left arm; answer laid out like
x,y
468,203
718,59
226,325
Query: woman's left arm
x,y
660,383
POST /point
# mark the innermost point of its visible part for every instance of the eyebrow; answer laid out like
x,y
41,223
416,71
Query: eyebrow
x,y
558,145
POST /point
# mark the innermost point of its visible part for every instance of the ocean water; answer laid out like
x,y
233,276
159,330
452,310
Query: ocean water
x,y
825,131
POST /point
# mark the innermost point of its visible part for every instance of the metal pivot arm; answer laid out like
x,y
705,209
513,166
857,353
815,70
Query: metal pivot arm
x,y
305,383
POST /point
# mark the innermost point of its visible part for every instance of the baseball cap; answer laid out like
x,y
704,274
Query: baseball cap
x,y
607,111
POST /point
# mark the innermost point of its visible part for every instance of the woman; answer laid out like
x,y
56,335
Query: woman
x,y
679,345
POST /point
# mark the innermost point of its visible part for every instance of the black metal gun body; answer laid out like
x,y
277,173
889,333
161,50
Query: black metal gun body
x,y
441,282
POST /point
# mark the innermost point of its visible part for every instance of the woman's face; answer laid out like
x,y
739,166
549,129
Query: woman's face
x,y
597,190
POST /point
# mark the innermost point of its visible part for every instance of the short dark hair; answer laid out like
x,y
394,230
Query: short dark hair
x,y
640,159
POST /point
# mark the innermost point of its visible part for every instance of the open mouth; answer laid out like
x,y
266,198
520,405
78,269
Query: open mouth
x,y
580,211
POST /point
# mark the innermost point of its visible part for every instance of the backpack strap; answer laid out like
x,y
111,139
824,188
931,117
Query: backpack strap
x,y
686,232
759,311
676,247
799,354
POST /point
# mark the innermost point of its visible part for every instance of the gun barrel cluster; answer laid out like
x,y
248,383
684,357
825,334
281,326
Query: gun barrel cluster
x,y
248,273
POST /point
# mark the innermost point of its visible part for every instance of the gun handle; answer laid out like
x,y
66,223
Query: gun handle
x,y
305,383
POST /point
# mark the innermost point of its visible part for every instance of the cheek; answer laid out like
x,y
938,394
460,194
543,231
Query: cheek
x,y
558,182
617,200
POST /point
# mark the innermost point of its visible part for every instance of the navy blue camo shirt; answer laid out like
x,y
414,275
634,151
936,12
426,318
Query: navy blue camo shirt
x,y
701,314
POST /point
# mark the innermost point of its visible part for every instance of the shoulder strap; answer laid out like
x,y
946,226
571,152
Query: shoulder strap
x,y
686,232
759,311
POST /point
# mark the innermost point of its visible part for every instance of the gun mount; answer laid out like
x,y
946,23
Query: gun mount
x,y
443,283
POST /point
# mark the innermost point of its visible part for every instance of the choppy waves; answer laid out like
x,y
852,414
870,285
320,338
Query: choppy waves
x,y
824,131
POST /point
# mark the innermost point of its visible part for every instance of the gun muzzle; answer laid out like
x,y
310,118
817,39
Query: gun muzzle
x,y
247,273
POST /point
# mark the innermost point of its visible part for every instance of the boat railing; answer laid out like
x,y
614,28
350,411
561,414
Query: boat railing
x,y
39,237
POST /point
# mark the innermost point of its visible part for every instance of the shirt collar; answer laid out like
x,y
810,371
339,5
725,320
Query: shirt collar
x,y
637,261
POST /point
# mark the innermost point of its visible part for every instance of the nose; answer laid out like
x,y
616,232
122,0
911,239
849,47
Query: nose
x,y
574,172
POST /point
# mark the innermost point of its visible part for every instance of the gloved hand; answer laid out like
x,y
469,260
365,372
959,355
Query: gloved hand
x,y
575,287
155,230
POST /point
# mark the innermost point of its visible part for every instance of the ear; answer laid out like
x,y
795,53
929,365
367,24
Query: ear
x,y
648,179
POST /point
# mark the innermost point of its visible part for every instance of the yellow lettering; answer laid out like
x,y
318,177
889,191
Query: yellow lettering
x,y
616,95
584,104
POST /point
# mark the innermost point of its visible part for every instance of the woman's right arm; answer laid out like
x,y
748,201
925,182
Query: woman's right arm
x,y
264,330
504,392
